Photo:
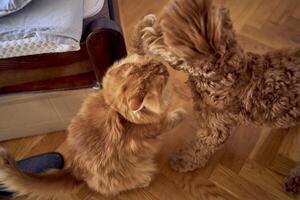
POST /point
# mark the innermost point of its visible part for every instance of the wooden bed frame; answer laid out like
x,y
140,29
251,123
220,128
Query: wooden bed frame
x,y
102,44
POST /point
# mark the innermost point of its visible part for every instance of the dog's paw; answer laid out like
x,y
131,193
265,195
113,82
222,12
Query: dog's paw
x,y
190,157
182,162
292,183
149,20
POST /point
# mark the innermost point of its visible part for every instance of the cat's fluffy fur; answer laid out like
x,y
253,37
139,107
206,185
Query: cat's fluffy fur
x,y
112,141
229,86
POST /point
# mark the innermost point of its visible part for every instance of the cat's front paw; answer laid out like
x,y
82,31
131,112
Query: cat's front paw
x,y
145,183
178,115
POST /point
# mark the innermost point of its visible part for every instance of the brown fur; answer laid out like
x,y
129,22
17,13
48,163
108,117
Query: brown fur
x,y
114,137
230,86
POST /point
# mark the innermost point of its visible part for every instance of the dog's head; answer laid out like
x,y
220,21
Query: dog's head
x,y
197,30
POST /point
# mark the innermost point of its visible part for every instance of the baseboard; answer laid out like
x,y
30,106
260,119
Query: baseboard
x,y
34,114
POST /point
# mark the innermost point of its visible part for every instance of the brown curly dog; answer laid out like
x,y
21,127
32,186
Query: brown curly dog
x,y
230,86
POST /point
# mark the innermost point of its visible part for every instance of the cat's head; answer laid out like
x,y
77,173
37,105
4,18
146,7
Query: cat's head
x,y
137,88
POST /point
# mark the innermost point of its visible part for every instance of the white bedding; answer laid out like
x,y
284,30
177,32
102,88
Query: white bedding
x,y
10,6
92,7
45,26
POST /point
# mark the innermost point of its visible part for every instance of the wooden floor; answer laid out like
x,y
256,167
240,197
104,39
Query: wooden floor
x,y
254,162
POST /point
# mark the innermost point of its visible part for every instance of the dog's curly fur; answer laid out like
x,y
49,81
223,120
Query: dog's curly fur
x,y
229,86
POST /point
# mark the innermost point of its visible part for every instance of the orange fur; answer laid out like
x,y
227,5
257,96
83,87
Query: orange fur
x,y
113,139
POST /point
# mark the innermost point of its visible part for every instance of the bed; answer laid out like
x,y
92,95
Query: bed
x,y
69,46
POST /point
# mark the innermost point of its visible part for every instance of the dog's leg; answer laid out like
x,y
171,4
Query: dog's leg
x,y
197,152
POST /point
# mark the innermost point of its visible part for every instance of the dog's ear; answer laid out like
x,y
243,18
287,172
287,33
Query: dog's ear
x,y
194,28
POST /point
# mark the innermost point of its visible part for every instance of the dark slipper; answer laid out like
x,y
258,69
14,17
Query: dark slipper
x,y
38,164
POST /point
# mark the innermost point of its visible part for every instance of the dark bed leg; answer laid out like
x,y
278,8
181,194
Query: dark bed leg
x,y
105,45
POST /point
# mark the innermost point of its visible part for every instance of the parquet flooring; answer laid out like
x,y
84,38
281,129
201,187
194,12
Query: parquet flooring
x,y
254,162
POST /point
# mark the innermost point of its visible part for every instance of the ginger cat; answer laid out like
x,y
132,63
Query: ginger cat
x,y
113,139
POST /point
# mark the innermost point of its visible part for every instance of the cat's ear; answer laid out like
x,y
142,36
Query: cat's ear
x,y
136,103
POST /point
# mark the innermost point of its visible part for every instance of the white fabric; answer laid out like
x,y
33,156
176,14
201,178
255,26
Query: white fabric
x,y
43,26
11,6
32,46
92,7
